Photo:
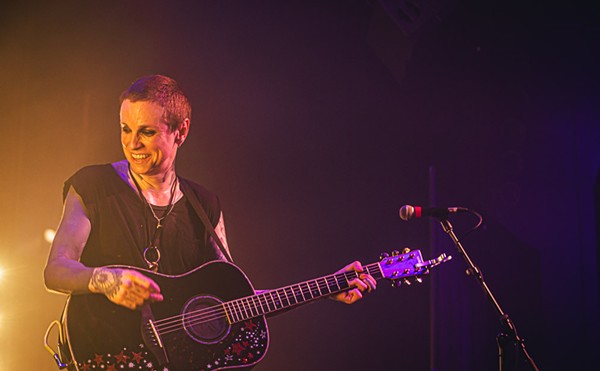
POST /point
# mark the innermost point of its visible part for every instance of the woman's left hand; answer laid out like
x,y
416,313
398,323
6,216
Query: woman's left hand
x,y
364,283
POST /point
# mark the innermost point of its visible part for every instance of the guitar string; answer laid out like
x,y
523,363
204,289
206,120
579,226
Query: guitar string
x,y
220,312
252,306
272,291
268,296
239,307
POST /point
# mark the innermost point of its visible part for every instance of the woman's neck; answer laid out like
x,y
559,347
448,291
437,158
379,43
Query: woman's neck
x,y
161,183
156,189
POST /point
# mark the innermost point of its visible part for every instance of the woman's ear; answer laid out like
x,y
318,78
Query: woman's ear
x,y
182,132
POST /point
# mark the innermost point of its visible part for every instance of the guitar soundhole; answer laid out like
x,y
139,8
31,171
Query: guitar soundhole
x,y
204,320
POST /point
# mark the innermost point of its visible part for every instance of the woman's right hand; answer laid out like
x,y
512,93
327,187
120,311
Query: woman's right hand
x,y
124,287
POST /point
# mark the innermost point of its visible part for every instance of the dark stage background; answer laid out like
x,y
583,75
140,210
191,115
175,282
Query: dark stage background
x,y
315,121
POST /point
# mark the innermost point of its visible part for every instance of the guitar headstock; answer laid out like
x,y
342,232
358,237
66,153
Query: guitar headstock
x,y
398,267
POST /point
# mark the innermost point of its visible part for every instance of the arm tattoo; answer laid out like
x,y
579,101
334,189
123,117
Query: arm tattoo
x,y
106,281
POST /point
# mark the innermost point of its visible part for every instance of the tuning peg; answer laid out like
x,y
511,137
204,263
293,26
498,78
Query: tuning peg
x,y
407,282
419,279
405,250
383,255
396,283
395,253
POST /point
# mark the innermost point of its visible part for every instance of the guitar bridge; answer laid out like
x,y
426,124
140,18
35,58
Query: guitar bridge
x,y
156,336
152,337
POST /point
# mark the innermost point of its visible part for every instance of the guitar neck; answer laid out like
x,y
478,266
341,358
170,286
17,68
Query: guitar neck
x,y
271,301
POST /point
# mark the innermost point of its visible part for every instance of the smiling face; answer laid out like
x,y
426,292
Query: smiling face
x,y
149,145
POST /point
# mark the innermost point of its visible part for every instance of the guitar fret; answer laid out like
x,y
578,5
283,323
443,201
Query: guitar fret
x,y
287,298
281,293
274,300
248,301
243,309
238,313
308,292
318,287
231,312
337,282
375,271
301,291
243,313
326,285
257,308
288,295
239,309
347,283
228,313
266,300
253,304
225,312
297,294
331,284
234,312
247,305
279,298
311,287
271,301
262,298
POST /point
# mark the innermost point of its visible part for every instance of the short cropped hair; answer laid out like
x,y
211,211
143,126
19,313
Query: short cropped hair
x,y
163,91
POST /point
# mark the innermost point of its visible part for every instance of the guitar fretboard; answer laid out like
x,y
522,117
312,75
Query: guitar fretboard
x,y
285,297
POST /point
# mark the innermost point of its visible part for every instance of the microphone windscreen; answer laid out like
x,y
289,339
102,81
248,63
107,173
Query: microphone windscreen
x,y
407,212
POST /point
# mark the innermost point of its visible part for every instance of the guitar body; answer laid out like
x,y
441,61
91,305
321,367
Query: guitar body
x,y
187,331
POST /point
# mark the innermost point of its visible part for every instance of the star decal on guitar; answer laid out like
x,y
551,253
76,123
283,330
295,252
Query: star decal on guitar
x,y
137,356
121,357
249,325
98,359
238,348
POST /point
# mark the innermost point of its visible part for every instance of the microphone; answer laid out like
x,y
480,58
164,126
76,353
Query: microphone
x,y
408,212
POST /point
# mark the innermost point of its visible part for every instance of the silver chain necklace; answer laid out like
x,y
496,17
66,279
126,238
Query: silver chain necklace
x,y
153,245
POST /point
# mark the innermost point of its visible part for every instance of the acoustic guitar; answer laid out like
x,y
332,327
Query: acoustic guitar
x,y
210,318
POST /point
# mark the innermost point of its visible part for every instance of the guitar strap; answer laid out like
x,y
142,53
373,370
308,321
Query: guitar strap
x,y
192,197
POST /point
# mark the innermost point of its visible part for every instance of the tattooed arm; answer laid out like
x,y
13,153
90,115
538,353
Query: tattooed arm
x,y
125,287
66,274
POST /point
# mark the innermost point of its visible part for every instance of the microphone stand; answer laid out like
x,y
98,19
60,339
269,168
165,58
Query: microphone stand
x,y
502,338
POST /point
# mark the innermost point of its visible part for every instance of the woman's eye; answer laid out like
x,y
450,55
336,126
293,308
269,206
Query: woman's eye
x,y
148,133
125,129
